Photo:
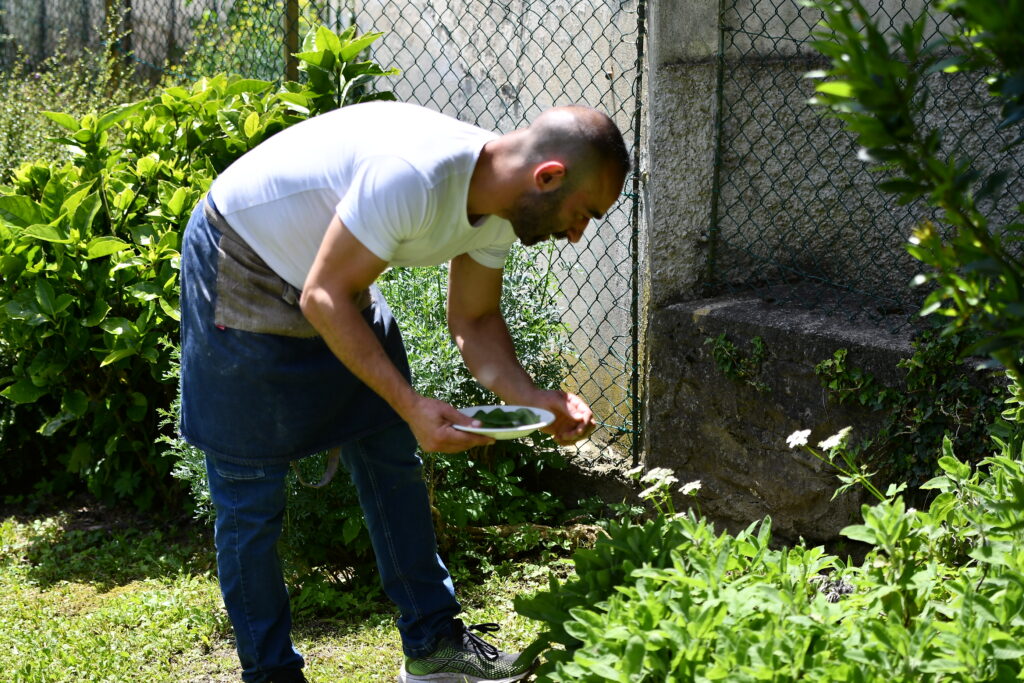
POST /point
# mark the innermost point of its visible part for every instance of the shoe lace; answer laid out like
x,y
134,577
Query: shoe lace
x,y
478,645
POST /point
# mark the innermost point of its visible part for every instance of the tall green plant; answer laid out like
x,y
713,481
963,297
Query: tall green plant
x,y
88,307
876,86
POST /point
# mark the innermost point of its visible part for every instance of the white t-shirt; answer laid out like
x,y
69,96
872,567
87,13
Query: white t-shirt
x,y
397,175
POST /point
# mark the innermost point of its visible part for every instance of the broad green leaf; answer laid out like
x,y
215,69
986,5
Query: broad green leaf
x,y
146,291
123,199
327,40
99,312
860,532
250,85
169,310
296,101
316,58
20,211
85,213
53,195
603,666
116,355
63,301
25,308
62,119
45,297
116,115
51,426
1008,651
104,246
176,202
24,391
251,126
11,266
117,326
837,88
354,47
350,529
74,199
46,233
994,553
955,468
76,402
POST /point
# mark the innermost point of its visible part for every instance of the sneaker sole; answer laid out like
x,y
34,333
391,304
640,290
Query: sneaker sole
x,y
406,677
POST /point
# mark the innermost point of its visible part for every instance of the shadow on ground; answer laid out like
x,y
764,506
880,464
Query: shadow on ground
x,y
88,543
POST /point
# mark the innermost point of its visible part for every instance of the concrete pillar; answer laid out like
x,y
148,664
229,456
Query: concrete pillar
x,y
682,87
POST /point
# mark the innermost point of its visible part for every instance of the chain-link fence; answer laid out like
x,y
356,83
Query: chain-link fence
x,y
497,65
799,218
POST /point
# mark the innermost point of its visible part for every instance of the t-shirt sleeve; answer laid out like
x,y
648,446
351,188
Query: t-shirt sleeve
x,y
387,203
492,256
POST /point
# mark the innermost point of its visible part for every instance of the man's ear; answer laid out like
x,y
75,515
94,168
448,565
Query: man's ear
x,y
549,175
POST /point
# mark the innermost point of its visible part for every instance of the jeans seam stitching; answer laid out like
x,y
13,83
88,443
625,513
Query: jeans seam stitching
x,y
392,555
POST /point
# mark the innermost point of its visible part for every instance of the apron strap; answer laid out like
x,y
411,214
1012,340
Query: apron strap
x,y
333,456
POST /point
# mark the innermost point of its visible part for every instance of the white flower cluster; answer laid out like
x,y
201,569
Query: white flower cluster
x,y
659,479
799,438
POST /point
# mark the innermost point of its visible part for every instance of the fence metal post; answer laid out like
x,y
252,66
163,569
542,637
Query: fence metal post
x,y
291,39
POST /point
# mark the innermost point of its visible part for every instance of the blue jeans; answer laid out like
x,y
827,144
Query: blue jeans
x,y
250,501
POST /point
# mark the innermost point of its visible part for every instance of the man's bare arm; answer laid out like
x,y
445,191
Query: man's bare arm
x,y
478,327
342,269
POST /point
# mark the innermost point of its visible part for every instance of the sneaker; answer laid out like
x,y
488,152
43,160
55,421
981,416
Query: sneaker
x,y
465,657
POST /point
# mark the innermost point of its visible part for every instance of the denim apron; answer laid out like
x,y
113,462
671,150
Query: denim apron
x,y
257,385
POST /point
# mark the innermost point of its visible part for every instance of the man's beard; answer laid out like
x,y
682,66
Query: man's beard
x,y
535,216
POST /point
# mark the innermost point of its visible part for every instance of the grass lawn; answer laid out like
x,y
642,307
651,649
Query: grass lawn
x,y
95,596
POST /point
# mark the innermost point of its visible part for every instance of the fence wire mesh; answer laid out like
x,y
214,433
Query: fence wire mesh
x,y
495,64
799,218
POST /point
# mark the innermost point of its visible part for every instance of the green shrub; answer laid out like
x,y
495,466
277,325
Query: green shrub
x,y
486,485
74,84
937,598
879,91
940,396
88,307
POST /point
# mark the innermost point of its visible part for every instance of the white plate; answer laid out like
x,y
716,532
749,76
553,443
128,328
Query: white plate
x,y
546,418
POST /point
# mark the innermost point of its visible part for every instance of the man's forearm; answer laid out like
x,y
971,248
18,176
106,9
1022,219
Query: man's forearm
x,y
487,349
348,335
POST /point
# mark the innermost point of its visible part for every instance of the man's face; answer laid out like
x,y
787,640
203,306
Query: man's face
x,y
565,212
537,216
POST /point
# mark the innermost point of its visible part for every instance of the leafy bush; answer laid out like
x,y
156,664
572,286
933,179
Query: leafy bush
x,y
485,485
88,308
76,85
937,598
878,90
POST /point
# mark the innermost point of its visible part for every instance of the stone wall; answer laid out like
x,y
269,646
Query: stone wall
x,y
731,433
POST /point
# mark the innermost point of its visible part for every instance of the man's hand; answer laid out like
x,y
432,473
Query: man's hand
x,y
574,420
431,422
